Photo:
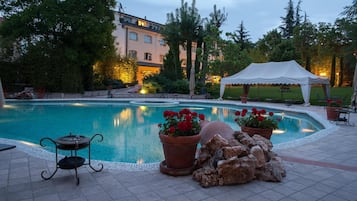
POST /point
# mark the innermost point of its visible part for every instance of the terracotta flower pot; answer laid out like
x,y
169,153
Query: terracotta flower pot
x,y
332,113
265,132
180,153
244,99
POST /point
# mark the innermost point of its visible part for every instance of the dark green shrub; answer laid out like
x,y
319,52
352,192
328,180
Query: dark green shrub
x,y
180,86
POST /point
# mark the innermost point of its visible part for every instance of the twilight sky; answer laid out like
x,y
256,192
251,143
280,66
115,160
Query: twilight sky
x,y
258,16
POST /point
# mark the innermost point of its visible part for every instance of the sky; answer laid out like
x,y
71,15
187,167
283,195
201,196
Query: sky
x,y
258,16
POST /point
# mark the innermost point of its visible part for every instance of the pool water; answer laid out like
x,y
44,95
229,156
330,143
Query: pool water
x,y
130,130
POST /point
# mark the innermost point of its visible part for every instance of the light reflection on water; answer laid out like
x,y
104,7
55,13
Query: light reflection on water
x,y
130,131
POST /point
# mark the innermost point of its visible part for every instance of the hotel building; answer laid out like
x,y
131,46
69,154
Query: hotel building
x,y
140,39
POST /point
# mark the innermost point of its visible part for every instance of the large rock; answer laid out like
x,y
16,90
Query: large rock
x,y
236,170
258,153
237,160
271,171
216,143
209,129
207,177
234,151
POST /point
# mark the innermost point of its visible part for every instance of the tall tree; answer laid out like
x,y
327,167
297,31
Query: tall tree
x,y
217,17
305,37
288,21
241,37
331,41
297,14
234,61
268,43
211,38
343,42
349,26
190,21
171,33
59,41
351,11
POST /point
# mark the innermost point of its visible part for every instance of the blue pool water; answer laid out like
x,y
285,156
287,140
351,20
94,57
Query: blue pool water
x,y
130,129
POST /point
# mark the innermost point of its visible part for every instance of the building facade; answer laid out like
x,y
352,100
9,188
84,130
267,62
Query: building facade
x,y
140,39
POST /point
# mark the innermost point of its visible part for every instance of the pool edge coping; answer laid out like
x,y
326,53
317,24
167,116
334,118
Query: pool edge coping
x,y
36,150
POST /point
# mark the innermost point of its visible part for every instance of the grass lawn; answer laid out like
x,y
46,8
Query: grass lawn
x,y
273,94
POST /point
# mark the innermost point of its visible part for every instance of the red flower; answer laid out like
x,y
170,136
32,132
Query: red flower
x,y
339,102
184,126
256,119
185,111
188,118
166,113
334,103
172,129
182,123
254,110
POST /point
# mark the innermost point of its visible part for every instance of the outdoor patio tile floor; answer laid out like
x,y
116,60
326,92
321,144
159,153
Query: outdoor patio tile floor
x,y
20,178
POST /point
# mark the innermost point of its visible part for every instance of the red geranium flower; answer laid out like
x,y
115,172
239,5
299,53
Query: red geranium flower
x,y
256,119
182,123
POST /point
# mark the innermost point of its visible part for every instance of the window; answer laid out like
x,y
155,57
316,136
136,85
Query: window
x,y
142,23
133,54
147,56
147,39
133,36
162,42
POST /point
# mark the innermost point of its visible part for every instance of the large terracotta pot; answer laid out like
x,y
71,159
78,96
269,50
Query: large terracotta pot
x,y
180,153
332,113
265,132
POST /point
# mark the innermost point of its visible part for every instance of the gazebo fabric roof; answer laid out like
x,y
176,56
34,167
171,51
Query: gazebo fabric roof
x,y
287,72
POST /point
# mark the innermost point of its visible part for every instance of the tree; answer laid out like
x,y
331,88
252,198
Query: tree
x,y
350,12
297,14
210,36
285,51
305,37
268,43
58,42
234,61
349,26
331,42
288,21
190,21
241,37
171,33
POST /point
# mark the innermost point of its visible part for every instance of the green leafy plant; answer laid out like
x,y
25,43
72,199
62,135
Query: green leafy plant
x,y
256,119
182,123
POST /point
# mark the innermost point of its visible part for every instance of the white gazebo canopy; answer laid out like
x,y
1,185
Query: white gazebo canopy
x,y
286,72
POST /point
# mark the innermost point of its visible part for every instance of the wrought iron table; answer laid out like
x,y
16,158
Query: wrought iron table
x,y
71,143
344,116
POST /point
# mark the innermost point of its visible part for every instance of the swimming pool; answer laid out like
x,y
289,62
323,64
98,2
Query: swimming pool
x,y
129,128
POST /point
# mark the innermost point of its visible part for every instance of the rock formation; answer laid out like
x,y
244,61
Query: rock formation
x,y
236,161
211,128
